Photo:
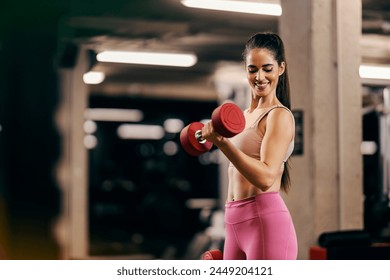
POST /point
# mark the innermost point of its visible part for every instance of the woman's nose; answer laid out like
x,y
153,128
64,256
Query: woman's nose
x,y
260,75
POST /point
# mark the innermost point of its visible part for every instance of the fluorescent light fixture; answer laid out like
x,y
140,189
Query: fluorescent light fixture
x,y
265,8
90,141
200,203
93,77
113,115
170,148
173,125
375,72
148,58
368,147
140,131
90,126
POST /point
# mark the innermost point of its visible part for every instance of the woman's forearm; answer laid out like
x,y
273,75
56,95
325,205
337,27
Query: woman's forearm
x,y
256,172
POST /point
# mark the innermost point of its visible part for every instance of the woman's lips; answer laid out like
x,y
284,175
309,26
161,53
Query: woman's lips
x,y
261,86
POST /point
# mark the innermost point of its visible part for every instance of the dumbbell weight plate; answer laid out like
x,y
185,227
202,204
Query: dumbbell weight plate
x,y
212,255
228,120
189,141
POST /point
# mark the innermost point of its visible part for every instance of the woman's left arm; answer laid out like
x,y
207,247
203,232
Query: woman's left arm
x,y
278,134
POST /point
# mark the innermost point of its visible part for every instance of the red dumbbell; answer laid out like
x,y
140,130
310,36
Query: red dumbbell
x,y
212,255
228,120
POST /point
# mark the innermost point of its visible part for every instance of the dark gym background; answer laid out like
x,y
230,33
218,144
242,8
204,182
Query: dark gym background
x,y
29,140
31,52
138,193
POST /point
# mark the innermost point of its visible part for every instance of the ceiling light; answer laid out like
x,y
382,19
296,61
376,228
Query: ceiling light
x,y
140,131
90,127
114,115
375,72
93,77
368,147
265,8
170,148
173,125
148,58
90,141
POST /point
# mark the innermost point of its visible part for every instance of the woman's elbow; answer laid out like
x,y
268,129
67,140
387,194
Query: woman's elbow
x,y
265,182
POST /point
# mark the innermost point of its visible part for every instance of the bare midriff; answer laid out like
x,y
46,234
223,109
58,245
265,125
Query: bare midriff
x,y
239,187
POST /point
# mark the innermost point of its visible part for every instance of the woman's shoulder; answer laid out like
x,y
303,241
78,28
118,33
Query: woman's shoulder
x,y
282,115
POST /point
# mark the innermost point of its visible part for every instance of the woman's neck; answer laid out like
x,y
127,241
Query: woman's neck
x,y
263,104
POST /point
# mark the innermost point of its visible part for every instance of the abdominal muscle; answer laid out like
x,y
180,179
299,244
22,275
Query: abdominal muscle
x,y
239,187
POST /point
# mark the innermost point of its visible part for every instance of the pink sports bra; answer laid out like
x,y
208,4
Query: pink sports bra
x,y
249,141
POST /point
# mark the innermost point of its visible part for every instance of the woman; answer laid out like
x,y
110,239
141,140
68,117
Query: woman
x,y
258,223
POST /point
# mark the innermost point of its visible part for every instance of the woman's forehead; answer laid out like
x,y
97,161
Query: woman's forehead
x,y
260,56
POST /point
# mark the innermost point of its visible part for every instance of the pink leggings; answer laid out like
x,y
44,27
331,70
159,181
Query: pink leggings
x,y
259,228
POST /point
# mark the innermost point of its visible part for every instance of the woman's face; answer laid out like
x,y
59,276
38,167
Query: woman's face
x,y
263,72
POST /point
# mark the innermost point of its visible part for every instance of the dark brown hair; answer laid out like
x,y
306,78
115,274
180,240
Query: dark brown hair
x,y
273,43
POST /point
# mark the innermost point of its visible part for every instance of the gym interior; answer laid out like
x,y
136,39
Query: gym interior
x,y
94,169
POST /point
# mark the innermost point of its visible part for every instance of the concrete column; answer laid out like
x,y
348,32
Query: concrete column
x,y
322,40
72,226
350,112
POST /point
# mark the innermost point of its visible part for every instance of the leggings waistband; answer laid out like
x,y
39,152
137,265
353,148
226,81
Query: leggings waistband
x,y
259,197
255,206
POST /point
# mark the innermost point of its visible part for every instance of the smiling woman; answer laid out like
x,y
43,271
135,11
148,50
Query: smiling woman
x,y
257,221
263,72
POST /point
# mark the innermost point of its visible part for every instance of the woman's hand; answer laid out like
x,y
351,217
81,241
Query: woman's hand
x,y
211,135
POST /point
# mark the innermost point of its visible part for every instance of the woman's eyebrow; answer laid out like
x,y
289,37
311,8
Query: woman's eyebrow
x,y
268,64
264,65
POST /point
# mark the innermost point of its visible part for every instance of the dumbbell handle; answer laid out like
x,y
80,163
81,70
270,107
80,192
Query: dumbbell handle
x,y
198,136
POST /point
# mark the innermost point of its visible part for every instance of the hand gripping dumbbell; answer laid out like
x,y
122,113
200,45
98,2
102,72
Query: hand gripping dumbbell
x,y
227,119
212,255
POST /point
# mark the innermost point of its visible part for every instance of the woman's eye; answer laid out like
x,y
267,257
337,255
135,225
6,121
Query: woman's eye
x,y
268,70
252,70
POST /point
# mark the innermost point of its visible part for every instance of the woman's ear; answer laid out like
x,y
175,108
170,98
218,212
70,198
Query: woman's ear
x,y
282,67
